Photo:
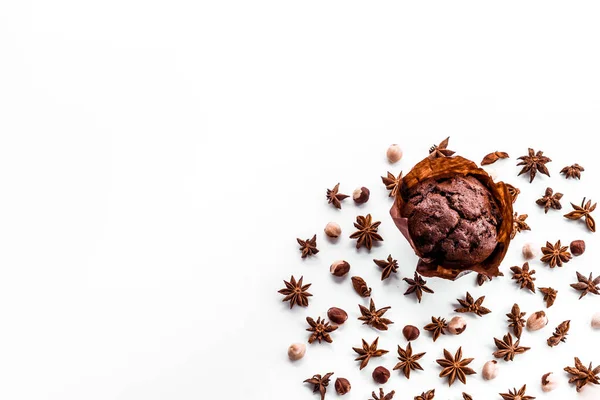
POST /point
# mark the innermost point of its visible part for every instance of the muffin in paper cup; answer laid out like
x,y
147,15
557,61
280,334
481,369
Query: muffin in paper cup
x,y
455,217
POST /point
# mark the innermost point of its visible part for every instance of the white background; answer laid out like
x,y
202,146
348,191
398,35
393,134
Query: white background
x,y
160,158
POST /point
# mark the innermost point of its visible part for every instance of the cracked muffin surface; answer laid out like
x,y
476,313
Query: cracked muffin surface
x,y
453,219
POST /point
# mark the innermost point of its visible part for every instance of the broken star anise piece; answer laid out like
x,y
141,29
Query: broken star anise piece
x,y
467,396
516,320
515,394
470,305
493,157
583,211
440,150
408,360
417,286
455,367
560,334
581,376
428,395
360,286
524,276
308,247
550,200
555,255
334,197
507,349
367,231
382,395
549,295
587,285
392,183
482,278
320,383
367,352
295,292
388,266
513,191
373,317
519,224
320,330
437,327
572,171
534,162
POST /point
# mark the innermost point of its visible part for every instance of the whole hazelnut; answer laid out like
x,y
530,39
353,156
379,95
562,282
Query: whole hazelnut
x,y
457,325
361,195
596,321
296,351
537,321
381,375
549,382
490,370
577,247
339,268
342,386
333,230
394,153
337,315
411,332
529,251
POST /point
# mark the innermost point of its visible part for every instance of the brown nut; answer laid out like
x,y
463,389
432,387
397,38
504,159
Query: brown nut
x,y
361,195
333,230
537,321
342,386
381,375
457,325
296,351
549,382
490,370
394,153
337,315
577,247
411,332
339,268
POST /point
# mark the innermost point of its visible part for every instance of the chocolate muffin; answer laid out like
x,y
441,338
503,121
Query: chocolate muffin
x,y
453,220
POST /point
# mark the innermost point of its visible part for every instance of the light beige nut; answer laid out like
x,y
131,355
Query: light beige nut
x,y
333,230
537,321
296,351
596,321
457,325
549,382
490,370
530,251
394,153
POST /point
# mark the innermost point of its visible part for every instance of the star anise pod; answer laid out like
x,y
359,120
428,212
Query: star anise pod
x,y
519,224
320,330
428,395
295,292
417,286
455,367
467,396
470,305
572,171
587,285
550,200
524,276
516,394
382,395
437,327
320,383
408,360
516,320
560,334
308,247
367,231
581,376
373,317
583,211
493,157
555,255
389,266
549,295
392,183
441,150
482,278
367,352
533,163
513,191
507,349
334,197
360,286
